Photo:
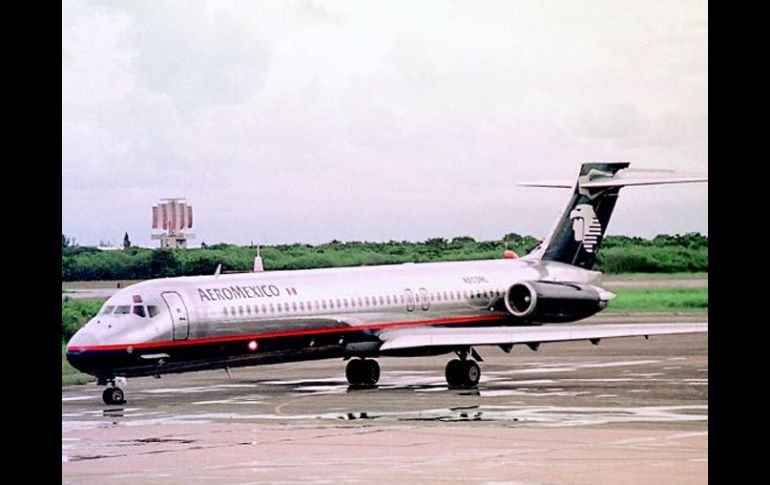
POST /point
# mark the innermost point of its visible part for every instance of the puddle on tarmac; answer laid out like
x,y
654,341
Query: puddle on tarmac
x,y
500,398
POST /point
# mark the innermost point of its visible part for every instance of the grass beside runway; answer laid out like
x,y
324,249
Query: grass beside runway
x,y
655,276
660,300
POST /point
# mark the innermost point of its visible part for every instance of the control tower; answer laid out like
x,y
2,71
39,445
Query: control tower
x,y
172,216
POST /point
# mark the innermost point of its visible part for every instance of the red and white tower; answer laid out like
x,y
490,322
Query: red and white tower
x,y
172,216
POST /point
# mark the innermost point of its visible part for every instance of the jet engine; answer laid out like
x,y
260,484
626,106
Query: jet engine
x,y
551,302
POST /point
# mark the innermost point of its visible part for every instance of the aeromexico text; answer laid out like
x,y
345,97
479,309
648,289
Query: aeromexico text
x,y
239,292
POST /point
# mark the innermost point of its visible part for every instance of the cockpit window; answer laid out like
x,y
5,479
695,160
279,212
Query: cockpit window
x,y
106,310
152,310
139,310
123,310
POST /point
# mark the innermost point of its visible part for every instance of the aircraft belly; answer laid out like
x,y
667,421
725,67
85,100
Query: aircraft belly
x,y
234,344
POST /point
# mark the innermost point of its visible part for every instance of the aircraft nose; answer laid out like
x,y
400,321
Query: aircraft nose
x,y
77,356
82,338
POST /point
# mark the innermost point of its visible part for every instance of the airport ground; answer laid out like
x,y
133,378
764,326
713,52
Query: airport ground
x,y
629,410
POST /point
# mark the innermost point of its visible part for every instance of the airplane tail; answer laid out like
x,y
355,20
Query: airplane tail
x,y
579,231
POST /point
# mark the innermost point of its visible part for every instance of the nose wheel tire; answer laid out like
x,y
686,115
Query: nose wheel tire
x,y
362,372
113,395
462,374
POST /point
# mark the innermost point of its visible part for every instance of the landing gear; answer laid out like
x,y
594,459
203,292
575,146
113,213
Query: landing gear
x,y
113,394
462,374
362,372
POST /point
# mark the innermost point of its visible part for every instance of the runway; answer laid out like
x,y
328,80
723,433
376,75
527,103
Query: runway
x,y
625,411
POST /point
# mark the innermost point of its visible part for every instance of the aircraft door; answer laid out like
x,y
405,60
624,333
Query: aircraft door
x,y
425,299
178,312
409,300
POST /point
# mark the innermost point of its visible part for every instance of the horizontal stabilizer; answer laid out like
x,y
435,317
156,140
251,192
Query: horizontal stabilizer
x,y
408,338
576,237
623,178
550,184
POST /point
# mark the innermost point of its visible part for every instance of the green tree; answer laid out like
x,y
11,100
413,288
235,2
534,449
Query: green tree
x,y
164,262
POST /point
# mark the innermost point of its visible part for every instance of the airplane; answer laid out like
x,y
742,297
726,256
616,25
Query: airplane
x,y
193,323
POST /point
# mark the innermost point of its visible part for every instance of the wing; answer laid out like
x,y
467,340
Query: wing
x,y
409,338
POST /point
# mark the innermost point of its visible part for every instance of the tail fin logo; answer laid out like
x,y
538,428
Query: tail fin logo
x,y
586,226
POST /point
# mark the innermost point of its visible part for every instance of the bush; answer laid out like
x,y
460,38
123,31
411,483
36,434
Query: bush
x,y
619,254
75,314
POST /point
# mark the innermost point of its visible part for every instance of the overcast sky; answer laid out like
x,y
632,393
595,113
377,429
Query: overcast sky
x,y
307,121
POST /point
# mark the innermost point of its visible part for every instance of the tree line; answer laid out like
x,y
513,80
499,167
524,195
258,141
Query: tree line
x,y
619,254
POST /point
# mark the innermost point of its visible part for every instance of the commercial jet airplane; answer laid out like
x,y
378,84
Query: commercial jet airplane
x,y
184,324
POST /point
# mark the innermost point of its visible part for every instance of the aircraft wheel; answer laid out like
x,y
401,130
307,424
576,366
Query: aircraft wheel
x,y
354,371
471,373
453,373
113,395
371,372
362,372
462,373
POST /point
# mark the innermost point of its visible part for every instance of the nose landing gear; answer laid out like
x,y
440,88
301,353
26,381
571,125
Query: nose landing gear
x,y
114,394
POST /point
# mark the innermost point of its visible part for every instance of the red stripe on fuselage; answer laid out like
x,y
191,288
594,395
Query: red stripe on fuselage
x,y
288,333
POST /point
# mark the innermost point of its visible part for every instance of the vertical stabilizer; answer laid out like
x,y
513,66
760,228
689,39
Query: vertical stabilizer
x,y
579,231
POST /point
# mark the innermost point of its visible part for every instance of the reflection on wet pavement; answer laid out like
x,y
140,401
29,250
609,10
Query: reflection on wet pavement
x,y
563,394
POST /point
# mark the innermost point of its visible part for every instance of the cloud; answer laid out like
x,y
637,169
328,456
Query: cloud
x,y
314,120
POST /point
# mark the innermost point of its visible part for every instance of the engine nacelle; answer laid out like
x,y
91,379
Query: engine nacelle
x,y
549,302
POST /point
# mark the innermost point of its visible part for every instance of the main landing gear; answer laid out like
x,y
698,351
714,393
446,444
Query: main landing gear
x,y
463,373
114,394
362,372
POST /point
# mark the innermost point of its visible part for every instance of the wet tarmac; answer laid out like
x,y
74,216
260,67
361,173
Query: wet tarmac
x,y
625,411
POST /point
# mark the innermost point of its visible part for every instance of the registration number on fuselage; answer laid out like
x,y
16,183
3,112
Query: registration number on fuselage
x,y
471,280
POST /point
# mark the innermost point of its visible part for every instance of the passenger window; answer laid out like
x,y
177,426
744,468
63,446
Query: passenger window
x,y
225,310
123,310
264,309
240,310
107,310
302,306
139,310
382,301
152,310
294,306
272,308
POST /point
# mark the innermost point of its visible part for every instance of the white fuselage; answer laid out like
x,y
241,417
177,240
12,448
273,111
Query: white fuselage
x,y
314,305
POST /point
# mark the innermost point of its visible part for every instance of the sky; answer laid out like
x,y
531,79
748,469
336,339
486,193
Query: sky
x,y
309,121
